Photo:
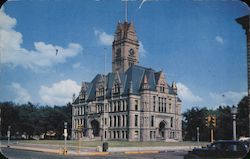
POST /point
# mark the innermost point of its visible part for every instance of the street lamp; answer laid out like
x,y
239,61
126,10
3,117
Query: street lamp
x,y
65,137
234,112
8,135
198,135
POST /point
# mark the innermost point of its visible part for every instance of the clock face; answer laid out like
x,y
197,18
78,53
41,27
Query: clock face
x,y
131,52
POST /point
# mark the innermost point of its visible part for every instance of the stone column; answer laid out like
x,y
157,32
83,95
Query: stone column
x,y
245,23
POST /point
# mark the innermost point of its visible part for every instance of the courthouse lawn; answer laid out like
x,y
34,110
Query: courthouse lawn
x,y
113,143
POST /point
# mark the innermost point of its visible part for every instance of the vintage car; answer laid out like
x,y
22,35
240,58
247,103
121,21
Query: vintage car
x,y
220,149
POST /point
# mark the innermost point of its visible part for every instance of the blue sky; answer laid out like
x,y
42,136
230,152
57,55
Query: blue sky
x,y
196,43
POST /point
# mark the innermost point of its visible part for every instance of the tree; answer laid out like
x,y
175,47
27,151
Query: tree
x,y
224,123
194,118
9,117
30,119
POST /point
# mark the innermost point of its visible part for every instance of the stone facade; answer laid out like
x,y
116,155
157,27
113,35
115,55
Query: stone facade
x,y
245,23
131,103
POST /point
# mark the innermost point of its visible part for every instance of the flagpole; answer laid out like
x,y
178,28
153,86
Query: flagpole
x,y
126,10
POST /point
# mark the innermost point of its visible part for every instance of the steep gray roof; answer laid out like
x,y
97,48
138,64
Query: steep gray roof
x,y
135,74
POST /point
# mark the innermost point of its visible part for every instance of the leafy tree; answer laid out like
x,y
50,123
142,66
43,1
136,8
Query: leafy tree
x,y
194,118
33,119
223,123
9,117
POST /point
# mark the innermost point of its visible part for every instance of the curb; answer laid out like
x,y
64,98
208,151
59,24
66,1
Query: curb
x,y
73,153
140,152
91,154
60,152
38,150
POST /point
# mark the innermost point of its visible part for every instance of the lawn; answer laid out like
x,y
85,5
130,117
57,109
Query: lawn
x,y
114,143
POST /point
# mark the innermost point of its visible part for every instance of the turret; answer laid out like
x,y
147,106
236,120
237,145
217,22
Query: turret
x,y
174,87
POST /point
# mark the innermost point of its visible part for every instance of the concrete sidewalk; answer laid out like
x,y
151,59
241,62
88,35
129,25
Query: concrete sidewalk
x,y
56,149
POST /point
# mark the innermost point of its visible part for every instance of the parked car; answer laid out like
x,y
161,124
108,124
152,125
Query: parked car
x,y
220,149
245,139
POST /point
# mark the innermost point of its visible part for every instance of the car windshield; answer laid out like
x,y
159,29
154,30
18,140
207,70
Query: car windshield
x,y
215,146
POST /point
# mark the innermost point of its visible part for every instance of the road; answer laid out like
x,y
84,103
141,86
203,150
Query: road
x,y
22,154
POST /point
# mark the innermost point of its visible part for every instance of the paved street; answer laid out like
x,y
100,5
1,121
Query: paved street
x,y
22,154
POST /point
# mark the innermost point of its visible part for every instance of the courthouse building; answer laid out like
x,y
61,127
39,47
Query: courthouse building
x,y
132,103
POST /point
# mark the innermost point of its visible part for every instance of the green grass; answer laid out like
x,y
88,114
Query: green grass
x,y
113,143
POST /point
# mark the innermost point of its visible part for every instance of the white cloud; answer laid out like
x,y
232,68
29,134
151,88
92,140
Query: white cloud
x,y
104,38
59,93
227,98
44,55
76,65
186,94
142,51
22,95
219,39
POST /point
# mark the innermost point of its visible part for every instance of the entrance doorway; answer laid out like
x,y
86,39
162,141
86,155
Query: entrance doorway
x,y
162,126
95,127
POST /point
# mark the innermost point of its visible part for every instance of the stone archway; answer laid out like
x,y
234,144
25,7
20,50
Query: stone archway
x,y
162,127
95,128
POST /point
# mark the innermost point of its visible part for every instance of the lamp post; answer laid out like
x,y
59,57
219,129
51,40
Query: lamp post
x,y
8,135
198,136
234,112
65,138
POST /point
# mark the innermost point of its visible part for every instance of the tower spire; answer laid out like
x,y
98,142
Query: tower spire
x,y
126,10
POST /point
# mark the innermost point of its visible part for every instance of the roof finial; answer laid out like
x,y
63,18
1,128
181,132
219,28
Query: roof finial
x,y
126,10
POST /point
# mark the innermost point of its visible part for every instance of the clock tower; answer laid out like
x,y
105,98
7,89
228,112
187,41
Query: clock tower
x,y
125,47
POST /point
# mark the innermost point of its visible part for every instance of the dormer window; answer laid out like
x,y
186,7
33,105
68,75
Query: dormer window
x,y
116,88
83,92
82,96
100,87
100,91
162,87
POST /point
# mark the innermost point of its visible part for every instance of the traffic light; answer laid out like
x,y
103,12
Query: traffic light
x,y
213,121
208,120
